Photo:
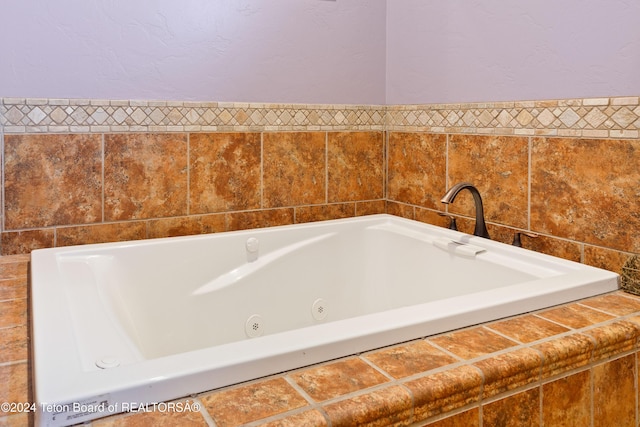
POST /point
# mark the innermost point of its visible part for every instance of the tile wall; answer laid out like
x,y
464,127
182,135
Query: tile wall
x,y
82,171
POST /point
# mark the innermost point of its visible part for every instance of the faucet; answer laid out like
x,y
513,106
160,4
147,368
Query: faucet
x,y
481,228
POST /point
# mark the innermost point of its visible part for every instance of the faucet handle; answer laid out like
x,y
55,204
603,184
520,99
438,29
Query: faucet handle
x,y
452,220
516,238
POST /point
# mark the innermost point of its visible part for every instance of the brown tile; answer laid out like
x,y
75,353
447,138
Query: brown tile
x,y
390,406
101,233
224,171
510,370
186,226
575,194
18,420
23,242
498,167
14,384
432,217
564,354
252,402
145,176
13,288
52,180
614,398
445,391
258,219
604,258
165,417
401,210
566,402
470,343
13,313
337,378
355,166
554,247
324,212
313,418
527,328
409,359
15,344
294,169
14,266
470,418
522,410
371,207
611,340
575,316
417,168
616,304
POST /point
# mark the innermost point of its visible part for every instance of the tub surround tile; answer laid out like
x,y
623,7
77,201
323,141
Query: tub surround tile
x,y
324,212
23,242
471,343
498,167
614,339
15,342
145,176
410,359
607,259
156,418
101,233
257,219
431,217
391,406
575,316
529,328
593,201
614,393
355,166
371,207
224,172
336,379
13,288
252,402
14,384
294,169
445,391
522,409
186,226
567,401
312,418
13,313
510,370
52,180
617,304
564,354
470,418
417,168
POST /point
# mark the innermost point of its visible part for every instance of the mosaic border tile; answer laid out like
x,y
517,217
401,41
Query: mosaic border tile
x,y
28,115
617,117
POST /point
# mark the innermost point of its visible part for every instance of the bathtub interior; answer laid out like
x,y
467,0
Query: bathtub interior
x,y
157,304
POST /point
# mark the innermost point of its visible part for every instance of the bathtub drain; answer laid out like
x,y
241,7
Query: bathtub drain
x,y
254,326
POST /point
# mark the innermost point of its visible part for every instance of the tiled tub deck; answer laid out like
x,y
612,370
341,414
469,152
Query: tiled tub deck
x,y
570,365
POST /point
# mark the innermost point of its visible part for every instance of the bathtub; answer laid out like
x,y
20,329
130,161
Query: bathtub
x,y
120,324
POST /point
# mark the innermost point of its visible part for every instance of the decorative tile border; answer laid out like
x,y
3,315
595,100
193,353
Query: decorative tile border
x,y
591,117
84,115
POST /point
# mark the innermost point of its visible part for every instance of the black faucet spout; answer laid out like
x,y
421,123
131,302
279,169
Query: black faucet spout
x,y
449,197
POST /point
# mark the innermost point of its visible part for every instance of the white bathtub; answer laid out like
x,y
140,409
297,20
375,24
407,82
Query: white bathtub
x,y
147,321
